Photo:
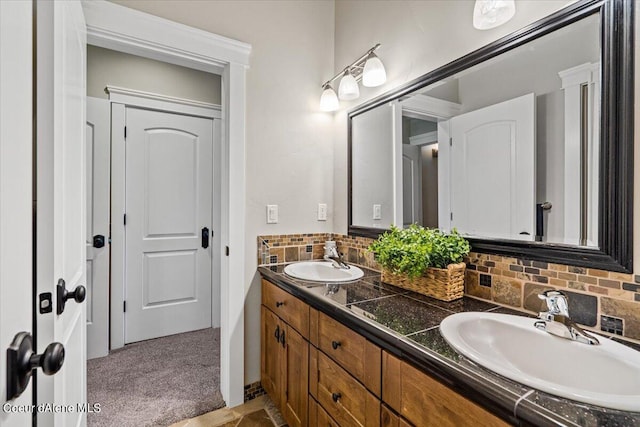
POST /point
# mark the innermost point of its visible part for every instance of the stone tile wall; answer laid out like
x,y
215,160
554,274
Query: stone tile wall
x,y
603,301
253,390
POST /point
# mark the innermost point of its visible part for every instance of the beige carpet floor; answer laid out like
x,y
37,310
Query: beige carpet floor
x,y
156,382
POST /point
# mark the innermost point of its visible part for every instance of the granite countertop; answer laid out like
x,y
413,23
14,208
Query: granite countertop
x,y
407,325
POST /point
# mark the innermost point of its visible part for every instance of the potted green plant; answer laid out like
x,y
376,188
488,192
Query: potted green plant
x,y
423,260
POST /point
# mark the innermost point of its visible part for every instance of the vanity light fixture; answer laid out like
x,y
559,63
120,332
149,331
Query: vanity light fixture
x,y
374,73
348,88
489,14
368,68
329,99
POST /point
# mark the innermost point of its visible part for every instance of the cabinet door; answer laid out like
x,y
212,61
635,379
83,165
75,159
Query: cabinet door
x,y
296,378
272,362
426,402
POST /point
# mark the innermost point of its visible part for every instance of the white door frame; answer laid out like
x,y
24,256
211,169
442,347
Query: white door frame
x,y
120,98
119,28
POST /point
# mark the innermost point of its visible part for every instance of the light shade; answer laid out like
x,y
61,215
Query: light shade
x,y
329,99
373,74
348,88
492,13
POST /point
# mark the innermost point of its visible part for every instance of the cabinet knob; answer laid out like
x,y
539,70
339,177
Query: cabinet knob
x,y
279,303
336,397
277,334
335,344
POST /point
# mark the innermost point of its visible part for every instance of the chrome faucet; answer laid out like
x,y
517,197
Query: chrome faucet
x,y
336,258
556,320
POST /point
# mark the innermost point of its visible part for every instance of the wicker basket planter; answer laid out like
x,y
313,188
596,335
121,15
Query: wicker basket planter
x,y
444,284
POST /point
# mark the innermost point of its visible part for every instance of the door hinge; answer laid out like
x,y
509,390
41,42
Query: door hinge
x,y
450,142
125,132
124,219
226,251
124,306
451,216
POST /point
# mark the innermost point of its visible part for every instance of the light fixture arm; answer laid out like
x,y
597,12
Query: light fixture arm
x,y
356,67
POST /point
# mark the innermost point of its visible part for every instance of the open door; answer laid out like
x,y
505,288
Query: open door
x,y
15,196
61,205
492,170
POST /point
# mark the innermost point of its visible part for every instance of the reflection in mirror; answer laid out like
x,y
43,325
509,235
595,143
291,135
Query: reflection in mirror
x,y
507,149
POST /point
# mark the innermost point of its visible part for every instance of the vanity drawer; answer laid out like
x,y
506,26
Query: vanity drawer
x,y
389,419
352,351
426,402
318,417
346,400
287,307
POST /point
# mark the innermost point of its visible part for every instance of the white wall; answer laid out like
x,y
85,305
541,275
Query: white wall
x,y
289,141
109,67
416,37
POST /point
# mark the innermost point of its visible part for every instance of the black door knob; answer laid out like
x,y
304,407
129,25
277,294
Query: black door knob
x,y
21,361
78,295
98,241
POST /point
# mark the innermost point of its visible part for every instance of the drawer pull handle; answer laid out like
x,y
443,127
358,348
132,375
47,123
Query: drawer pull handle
x,y
279,303
336,397
277,334
335,344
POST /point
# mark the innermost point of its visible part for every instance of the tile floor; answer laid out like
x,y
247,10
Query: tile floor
x,y
259,412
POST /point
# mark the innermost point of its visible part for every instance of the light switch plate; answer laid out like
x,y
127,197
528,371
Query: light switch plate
x,y
272,214
322,211
377,211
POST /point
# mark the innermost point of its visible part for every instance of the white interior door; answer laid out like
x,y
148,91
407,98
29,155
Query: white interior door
x,y
98,131
169,183
61,204
492,170
411,185
15,191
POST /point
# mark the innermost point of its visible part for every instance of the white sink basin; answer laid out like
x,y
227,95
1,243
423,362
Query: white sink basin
x,y
606,375
321,271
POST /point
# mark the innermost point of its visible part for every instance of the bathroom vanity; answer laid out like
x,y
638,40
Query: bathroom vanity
x,y
369,354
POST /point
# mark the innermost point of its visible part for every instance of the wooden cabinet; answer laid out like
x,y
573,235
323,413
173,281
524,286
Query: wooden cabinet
x,y
290,309
424,401
296,378
342,396
318,417
389,419
321,373
285,357
351,351
270,355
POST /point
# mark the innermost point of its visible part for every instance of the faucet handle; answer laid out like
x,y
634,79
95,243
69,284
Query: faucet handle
x,y
557,302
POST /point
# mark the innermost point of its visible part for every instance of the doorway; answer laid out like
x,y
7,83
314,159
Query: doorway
x,y
165,220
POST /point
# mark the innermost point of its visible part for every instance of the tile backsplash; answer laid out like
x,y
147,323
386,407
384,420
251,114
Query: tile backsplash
x,y
603,301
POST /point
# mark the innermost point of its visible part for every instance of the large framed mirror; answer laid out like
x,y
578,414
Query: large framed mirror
x,y
525,146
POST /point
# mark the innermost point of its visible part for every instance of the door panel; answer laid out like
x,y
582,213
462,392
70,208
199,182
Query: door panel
x,y
271,363
296,382
162,270
169,183
15,190
493,170
98,194
411,185
61,199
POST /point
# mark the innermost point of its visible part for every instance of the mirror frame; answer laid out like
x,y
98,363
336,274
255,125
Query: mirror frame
x,y
615,231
